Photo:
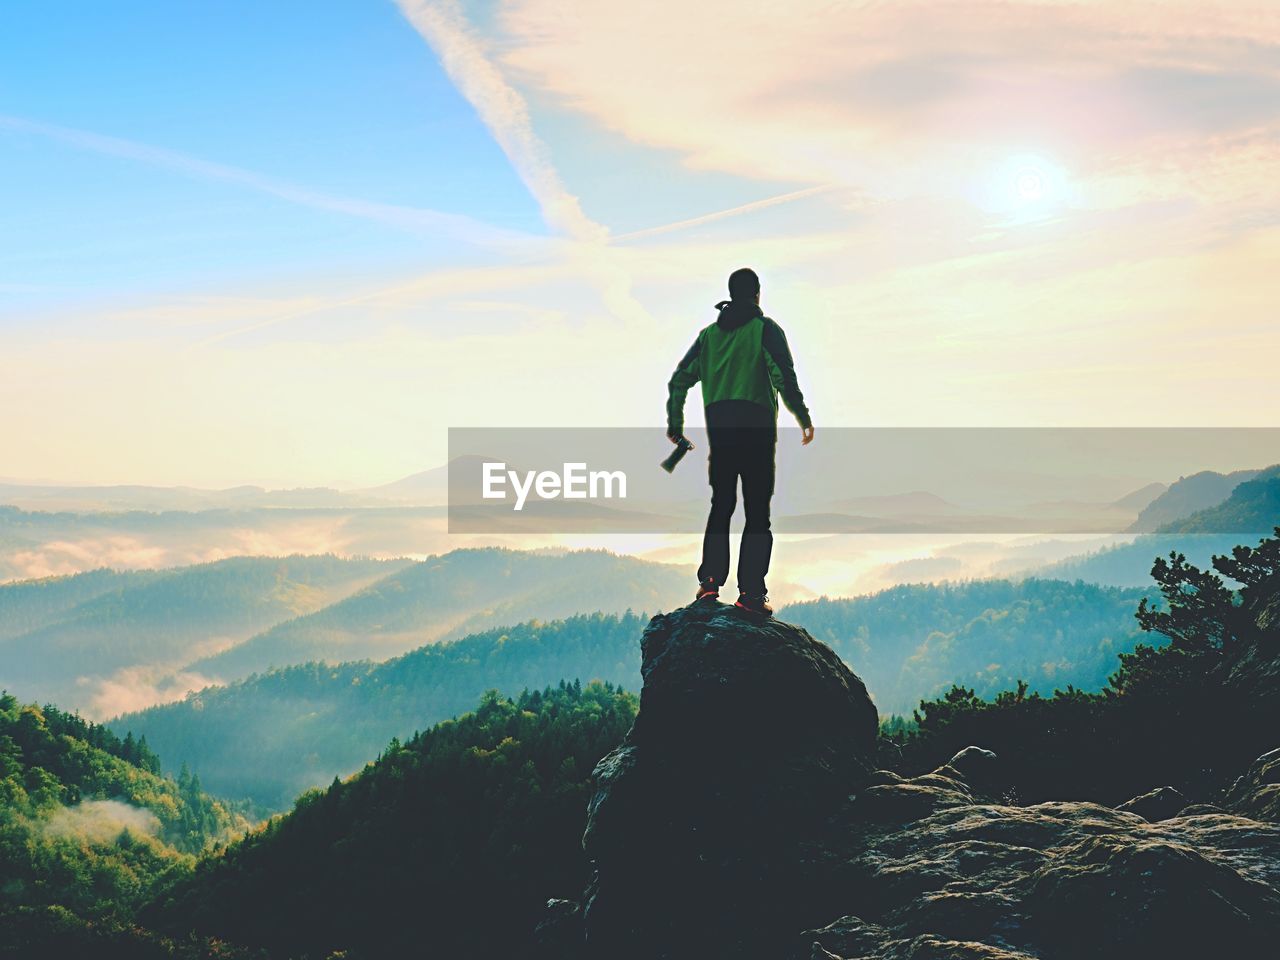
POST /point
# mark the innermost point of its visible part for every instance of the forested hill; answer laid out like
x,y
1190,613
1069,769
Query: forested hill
x,y
1190,712
30,604
449,844
446,846
1253,507
1188,495
272,736
73,640
1251,511
1129,564
913,642
86,823
455,594
107,642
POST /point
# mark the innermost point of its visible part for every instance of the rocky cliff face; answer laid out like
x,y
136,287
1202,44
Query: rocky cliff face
x,y
744,817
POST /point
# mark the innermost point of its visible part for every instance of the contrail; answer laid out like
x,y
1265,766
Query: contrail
x,y
411,218
503,110
723,214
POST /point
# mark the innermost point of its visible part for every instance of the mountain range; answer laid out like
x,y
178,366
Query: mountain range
x,y
279,732
98,641
1252,507
108,642
1188,495
451,595
751,810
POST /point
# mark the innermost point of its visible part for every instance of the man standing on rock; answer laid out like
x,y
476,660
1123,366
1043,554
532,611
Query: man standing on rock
x,y
743,362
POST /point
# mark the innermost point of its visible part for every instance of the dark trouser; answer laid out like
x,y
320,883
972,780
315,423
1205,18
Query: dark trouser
x,y
747,453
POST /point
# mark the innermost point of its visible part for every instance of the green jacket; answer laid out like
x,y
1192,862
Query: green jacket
x,y
743,363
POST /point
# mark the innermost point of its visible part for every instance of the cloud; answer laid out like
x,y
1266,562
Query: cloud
x,y
436,287
136,688
867,128
903,98
62,557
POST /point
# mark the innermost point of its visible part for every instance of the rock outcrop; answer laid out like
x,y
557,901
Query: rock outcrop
x,y
750,737
1158,804
743,817
950,877
1257,793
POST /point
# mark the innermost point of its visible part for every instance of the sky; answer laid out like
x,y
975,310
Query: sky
x,y
292,244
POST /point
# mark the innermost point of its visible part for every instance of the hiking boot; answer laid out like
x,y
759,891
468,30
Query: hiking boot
x,y
758,604
707,588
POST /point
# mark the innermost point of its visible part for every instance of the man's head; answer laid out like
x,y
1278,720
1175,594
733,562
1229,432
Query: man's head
x,y
744,286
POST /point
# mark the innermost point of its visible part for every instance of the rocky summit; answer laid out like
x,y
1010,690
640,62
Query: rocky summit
x,y
743,816
748,728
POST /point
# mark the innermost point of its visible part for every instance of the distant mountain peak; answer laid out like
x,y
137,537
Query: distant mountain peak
x,y
1189,495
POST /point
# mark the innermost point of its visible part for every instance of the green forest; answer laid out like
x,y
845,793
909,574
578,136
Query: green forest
x,y
273,735
1170,714
27,605
456,837
915,641
477,817
448,845
89,831
1252,507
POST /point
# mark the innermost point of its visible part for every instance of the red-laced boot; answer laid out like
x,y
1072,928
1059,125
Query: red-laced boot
x,y
758,604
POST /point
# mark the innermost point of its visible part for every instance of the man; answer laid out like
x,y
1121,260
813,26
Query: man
x,y
743,362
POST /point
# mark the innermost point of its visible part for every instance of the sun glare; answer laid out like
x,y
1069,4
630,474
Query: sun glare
x,y
1030,185
1025,187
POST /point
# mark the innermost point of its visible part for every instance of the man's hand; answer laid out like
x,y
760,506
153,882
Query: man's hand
x,y
677,437
806,437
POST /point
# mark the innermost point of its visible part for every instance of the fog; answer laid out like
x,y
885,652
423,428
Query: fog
x,y
101,821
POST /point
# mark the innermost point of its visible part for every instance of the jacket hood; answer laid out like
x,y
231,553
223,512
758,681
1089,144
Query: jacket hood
x,y
735,313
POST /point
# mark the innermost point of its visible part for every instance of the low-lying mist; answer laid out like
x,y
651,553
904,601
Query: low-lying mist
x,y
101,821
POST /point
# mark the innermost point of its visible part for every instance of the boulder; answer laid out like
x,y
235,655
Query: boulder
x,y
704,822
1055,880
1257,793
977,765
1158,804
1131,894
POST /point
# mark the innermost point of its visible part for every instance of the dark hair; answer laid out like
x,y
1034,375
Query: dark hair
x,y
744,284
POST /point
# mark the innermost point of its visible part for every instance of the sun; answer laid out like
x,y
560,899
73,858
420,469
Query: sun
x,y
1025,187
1030,185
